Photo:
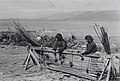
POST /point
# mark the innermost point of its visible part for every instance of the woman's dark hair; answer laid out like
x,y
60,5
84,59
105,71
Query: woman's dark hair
x,y
89,37
59,36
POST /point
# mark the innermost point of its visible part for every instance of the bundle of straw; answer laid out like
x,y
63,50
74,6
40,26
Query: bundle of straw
x,y
103,37
16,23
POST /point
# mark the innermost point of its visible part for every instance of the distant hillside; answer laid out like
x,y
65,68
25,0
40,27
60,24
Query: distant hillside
x,y
107,15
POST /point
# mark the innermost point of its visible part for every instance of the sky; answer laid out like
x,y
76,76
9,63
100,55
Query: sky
x,y
43,8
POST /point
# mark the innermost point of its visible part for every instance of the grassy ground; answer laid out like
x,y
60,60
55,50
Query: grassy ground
x,y
12,68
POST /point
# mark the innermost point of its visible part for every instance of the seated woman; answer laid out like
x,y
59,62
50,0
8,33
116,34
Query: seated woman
x,y
90,48
61,45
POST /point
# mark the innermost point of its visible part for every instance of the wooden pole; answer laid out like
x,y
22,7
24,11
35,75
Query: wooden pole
x,y
65,53
109,70
31,53
119,65
104,69
27,61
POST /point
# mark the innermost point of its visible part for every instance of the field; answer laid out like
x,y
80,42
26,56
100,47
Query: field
x,y
78,28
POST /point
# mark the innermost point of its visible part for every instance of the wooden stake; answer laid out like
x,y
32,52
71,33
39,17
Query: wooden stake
x,y
119,63
104,69
32,55
27,61
109,70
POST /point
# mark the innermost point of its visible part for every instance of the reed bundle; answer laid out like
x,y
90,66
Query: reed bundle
x,y
20,28
103,37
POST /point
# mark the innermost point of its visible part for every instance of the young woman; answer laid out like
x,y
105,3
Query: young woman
x,y
91,46
61,45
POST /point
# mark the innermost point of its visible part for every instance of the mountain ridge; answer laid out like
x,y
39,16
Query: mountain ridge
x,y
106,15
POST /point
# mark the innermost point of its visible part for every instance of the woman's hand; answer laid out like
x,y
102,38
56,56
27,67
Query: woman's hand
x,y
83,53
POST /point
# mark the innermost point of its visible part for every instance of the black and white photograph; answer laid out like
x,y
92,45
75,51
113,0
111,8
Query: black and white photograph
x,y
59,40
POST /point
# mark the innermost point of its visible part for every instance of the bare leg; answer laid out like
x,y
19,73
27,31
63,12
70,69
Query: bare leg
x,y
55,57
61,57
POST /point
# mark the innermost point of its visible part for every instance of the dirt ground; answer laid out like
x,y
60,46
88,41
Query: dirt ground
x,y
12,68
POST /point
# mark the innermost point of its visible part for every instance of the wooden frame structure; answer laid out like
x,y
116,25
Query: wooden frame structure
x,y
44,63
